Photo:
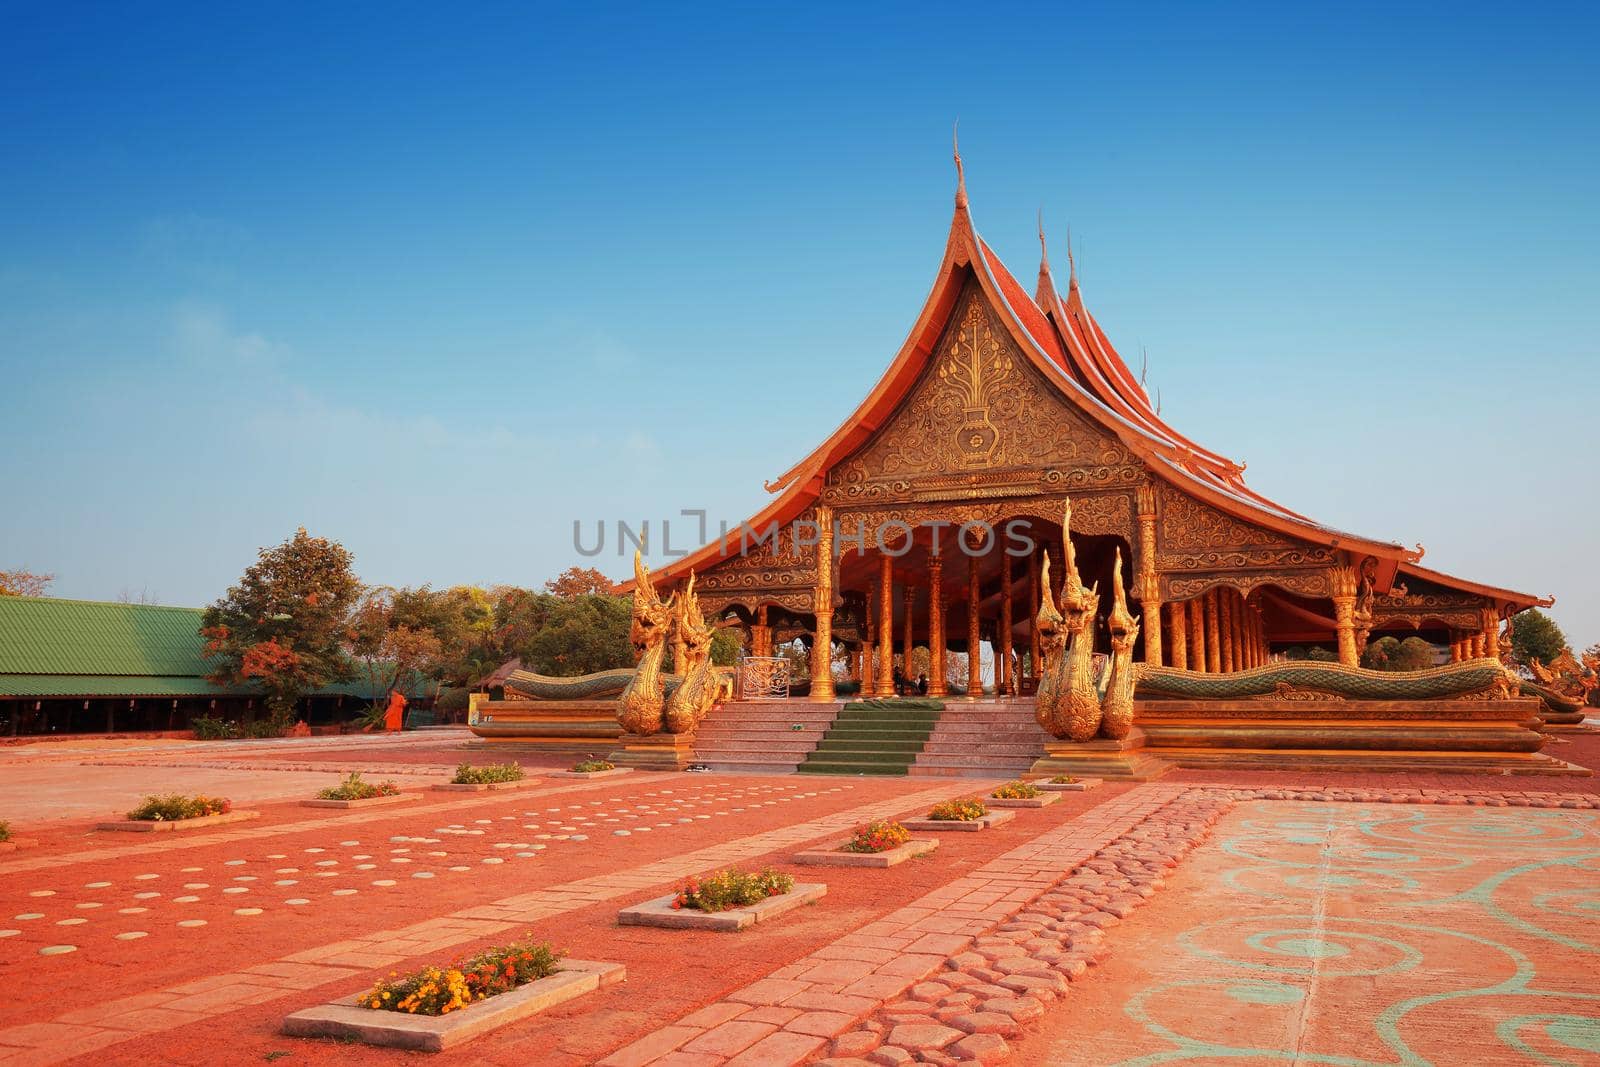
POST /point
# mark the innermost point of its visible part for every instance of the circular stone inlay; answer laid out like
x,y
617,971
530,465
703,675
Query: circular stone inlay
x,y
132,935
247,911
297,900
57,950
132,911
71,922
191,922
344,892
95,885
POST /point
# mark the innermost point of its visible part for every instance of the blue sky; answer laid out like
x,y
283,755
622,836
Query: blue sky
x,y
436,281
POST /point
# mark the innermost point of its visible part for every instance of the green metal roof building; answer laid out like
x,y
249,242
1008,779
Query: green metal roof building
x,y
78,666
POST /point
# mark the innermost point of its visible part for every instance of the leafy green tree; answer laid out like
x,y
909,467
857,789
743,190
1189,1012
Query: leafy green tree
x,y
284,627
579,636
1394,654
390,647
1534,635
726,644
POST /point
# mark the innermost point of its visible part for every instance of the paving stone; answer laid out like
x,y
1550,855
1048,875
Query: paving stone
x,y
922,1035
855,1043
984,1048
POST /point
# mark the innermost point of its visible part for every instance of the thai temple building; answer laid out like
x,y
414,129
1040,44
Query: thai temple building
x,y
926,519
1001,404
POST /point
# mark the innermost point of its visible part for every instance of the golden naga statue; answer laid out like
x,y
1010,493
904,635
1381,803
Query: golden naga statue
x,y
639,708
1116,706
1047,708
692,699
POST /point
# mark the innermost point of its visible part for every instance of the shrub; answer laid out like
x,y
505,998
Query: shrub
x,y
1063,779
171,807
440,990
467,774
209,729
878,836
277,725
353,788
732,889
5,830
968,810
589,766
1018,790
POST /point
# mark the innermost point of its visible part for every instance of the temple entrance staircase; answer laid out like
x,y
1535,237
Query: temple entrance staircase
x,y
761,736
872,741
995,738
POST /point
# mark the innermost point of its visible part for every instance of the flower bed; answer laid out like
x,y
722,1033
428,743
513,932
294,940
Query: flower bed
x,y
492,776
727,900
967,815
174,811
9,843
1066,783
592,768
436,1008
877,844
353,792
1020,794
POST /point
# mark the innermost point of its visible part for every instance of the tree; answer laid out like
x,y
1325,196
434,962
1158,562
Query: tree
x,y
1393,654
579,636
386,650
284,627
579,581
1534,635
24,583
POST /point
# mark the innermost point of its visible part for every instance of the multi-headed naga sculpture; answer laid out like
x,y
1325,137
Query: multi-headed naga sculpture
x,y
1069,705
639,708
689,702
1049,702
1116,704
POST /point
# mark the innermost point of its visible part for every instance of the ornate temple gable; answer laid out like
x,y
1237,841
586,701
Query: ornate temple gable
x,y
1198,546
775,570
980,423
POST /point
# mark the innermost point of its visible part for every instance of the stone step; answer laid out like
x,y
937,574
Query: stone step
x,y
974,759
1001,750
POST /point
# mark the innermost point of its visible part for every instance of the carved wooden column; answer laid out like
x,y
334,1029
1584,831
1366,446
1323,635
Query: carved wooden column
x,y
886,625
1228,652
761,634
1213,632
1149,587
822,606
869,652
1197,634
936,686
908,639
1179,614
1034,598
1345,586
1002,647
974,630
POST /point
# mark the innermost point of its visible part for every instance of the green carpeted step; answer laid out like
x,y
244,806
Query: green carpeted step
x,y
876,737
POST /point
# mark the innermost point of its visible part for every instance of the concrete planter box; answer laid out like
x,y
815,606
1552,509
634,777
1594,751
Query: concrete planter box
x,y
347,1020
369,802
612,773
831,856
486,787
1023,802
147,826
660,912
1079,786
994,818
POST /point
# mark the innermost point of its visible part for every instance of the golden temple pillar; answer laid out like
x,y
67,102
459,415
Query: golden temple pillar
x,y
936,686
1227,655
1197,634
974,630
869,653
1213,632
1002,645
1179,615
1033,608
886,625
1345,587
822,605
908,639
1149,587
761,634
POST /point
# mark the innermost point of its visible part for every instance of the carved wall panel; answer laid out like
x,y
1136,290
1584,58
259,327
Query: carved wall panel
x,y
981,423
1417,603
1199,547
1187,586
1092,513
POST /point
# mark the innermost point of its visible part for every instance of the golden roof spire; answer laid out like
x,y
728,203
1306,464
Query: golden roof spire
x,y
1072,263
961,174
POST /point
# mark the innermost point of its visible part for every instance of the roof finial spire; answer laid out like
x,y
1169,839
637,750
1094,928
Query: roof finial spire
x,y
961,175
1072,263
1044,250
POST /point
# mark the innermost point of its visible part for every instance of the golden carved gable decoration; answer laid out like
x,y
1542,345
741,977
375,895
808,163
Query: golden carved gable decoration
x,y
981,422
1195,536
